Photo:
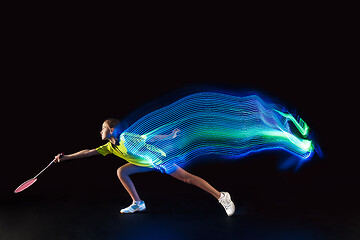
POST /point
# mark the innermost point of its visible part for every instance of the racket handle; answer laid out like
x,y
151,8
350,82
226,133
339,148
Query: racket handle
x,y
61,155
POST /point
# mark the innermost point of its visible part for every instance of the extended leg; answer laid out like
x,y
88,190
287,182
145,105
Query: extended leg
x,y
189,178
223,197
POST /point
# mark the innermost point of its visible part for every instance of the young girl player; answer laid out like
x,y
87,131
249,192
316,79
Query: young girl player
x,y
138,164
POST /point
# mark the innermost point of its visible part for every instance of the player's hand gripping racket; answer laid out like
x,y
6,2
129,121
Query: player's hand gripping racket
x,y
31,181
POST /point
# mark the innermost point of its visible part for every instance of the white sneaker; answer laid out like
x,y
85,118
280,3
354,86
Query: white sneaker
x,y
134,207
226,202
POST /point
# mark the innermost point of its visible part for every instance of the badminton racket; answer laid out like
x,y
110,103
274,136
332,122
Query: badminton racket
x,y
31,181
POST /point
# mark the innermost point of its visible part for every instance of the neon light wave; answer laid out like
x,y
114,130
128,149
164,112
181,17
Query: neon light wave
x,y
215,123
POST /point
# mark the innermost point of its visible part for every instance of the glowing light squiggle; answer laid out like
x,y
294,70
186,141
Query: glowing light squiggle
x,y
215,123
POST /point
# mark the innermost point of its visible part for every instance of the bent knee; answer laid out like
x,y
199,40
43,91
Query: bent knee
x,y
121,172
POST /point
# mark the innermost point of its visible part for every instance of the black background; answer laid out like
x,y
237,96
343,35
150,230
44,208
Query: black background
x,y
65,78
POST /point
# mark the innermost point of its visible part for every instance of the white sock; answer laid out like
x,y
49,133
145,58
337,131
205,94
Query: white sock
x,y
221,195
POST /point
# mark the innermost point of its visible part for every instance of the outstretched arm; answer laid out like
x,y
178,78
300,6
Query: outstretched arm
x,y
172,135
81,154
